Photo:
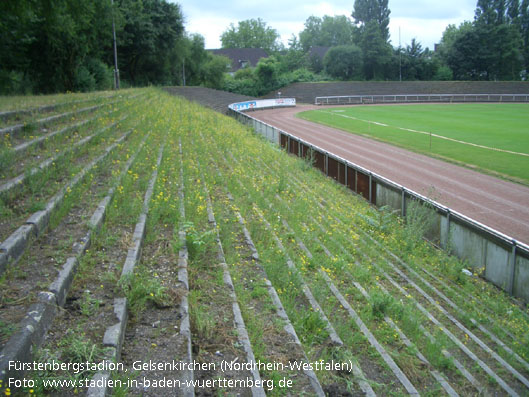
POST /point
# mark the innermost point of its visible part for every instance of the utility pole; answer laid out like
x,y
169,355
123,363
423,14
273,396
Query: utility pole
x,y
184,71
116,70
400,59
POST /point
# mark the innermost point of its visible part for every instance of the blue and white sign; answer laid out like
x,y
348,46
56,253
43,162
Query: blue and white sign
x,y
263,103
244,105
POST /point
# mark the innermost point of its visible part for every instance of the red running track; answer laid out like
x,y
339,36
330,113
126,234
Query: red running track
x,y
497,203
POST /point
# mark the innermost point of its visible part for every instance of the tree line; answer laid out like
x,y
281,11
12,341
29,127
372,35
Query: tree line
x,y
66,45
494,46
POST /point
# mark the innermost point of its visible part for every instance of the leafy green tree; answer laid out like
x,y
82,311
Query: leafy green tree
x,y
265,77
66,40
344,62
418,63
243,86
194,65
326,32
251,33
193,56
489,48
214,70
373,11
151,29
376,51
315,63
17,33
513,11
524,31
58,45
507,59
496,23
450,35
464,57
267,72
293,58
443,73
309,36
53,45
245,73
372,18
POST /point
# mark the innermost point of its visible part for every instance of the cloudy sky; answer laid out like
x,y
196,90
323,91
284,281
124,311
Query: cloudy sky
x,y
424,20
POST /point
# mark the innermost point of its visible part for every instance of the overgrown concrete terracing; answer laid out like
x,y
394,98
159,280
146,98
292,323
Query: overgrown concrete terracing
x,y
195,258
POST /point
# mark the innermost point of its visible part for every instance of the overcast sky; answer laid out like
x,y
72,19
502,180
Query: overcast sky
x,y
424,20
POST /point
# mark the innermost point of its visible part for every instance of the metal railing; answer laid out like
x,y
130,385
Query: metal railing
x,y
504,261
412,98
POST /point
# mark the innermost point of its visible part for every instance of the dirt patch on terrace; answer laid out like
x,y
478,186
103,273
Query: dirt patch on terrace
x,y
154,335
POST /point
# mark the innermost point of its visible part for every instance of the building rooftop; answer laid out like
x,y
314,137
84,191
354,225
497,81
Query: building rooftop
x,y
241,57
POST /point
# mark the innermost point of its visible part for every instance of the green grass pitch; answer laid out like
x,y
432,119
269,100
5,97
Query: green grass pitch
x,y
493,138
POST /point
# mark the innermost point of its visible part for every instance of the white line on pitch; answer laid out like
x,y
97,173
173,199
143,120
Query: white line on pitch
x,y
432,134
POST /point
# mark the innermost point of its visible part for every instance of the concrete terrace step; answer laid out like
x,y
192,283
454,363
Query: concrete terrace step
x,y
307,92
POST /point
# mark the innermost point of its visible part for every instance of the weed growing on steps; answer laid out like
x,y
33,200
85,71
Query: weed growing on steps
x,y
5,211
308,162
312,328
344,206
74,348
202,323
380,304
121,380
141,289
6,159
29,127
197,241
420,220
88,304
